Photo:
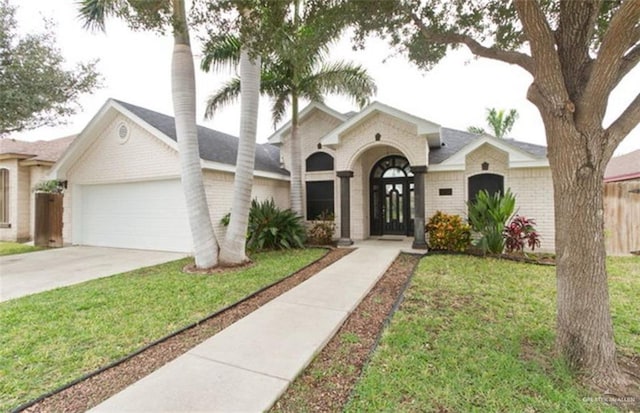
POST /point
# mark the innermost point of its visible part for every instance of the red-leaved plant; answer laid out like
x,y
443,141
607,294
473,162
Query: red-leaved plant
x,y
519,231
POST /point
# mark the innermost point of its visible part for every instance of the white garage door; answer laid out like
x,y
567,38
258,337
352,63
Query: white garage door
x,y
141,215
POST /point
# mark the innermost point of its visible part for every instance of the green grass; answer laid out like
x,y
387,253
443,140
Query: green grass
x,y
51,338
10,248
476,335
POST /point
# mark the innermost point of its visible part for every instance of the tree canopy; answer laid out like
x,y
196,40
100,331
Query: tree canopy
x,y
35,87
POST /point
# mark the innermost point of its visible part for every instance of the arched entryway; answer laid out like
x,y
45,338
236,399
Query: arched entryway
x,y
391,197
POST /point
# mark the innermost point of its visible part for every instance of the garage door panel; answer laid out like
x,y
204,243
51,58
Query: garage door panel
x,y
144,215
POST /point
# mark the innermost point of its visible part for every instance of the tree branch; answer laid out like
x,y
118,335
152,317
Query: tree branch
x,y
621,127
521,59
606,68
629,61
547,69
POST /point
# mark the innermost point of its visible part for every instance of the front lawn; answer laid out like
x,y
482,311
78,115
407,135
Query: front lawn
x,y
9,248
477,334
51,338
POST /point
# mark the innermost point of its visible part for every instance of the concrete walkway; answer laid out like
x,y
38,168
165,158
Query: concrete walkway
x,y
34,272
247,366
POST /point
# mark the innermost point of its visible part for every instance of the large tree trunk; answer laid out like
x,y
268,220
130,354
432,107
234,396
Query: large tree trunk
x,y
183,90
233,248
584,325
296,161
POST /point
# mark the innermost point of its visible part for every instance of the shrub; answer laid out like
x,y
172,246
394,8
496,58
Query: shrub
x,y
448,232
322,229
488,216
271,227
521,230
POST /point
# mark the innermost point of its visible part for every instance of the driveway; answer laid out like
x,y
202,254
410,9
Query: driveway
x,y
34,272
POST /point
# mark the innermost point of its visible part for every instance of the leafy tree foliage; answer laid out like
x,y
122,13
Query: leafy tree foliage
x,y
35,87
499,122
577,52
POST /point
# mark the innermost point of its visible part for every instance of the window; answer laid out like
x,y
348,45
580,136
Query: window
x,y
4,196
319,161
319,198
492,183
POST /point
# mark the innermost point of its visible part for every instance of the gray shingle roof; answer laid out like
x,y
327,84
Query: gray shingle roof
x,y
214,145
454,140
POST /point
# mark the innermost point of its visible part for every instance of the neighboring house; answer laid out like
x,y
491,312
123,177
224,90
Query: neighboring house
x,y
23,165
622,204
373,169
381,170
123,180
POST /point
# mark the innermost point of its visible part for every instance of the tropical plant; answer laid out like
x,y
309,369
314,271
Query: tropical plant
x,y
488,215
271,227
448,232
577,53
521,230
322,229
52,186
499,122
293,68
35,87
156,15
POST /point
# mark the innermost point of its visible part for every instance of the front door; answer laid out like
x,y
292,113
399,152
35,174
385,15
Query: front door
x,y
391,191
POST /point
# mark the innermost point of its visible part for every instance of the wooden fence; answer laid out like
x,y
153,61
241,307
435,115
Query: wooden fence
x,y
622,217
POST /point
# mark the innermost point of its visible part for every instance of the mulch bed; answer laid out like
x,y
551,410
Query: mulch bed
x,y
326,384
90,392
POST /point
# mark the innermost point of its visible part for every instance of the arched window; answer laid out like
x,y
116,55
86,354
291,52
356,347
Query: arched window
x,y
492,183
4,196
392,167
319,161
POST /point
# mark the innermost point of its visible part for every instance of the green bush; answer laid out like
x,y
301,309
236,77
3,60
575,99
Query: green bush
x,y
488,216
322,229
271,227
448,232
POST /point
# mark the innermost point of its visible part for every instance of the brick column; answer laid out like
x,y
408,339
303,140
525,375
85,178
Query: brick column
x,y
419,241
345,208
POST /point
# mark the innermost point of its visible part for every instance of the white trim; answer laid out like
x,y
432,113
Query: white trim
x,y
428,129
276,137
223,167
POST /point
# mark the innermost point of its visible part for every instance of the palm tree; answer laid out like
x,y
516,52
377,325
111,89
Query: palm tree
x,y
293,67
152,15
499,123
233,248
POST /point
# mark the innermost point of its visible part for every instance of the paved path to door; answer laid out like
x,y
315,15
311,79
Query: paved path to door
x,y
248,365
34,272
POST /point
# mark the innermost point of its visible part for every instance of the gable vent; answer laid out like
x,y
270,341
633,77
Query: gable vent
x,y
123,132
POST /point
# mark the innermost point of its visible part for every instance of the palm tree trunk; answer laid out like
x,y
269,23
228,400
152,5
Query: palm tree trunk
x,y
183,90
233,248
296,161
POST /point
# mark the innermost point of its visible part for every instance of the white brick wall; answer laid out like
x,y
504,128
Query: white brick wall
x,y
144,157
11,234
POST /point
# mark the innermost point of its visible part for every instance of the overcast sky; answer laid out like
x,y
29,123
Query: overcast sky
x,y
455,94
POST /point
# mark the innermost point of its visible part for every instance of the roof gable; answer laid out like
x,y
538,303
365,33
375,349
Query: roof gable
x,y
458,144
278,135
216,148
424,127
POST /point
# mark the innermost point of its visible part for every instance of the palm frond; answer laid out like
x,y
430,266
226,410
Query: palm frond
x,y
279,107
220,52
227,94
93,13
341,78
